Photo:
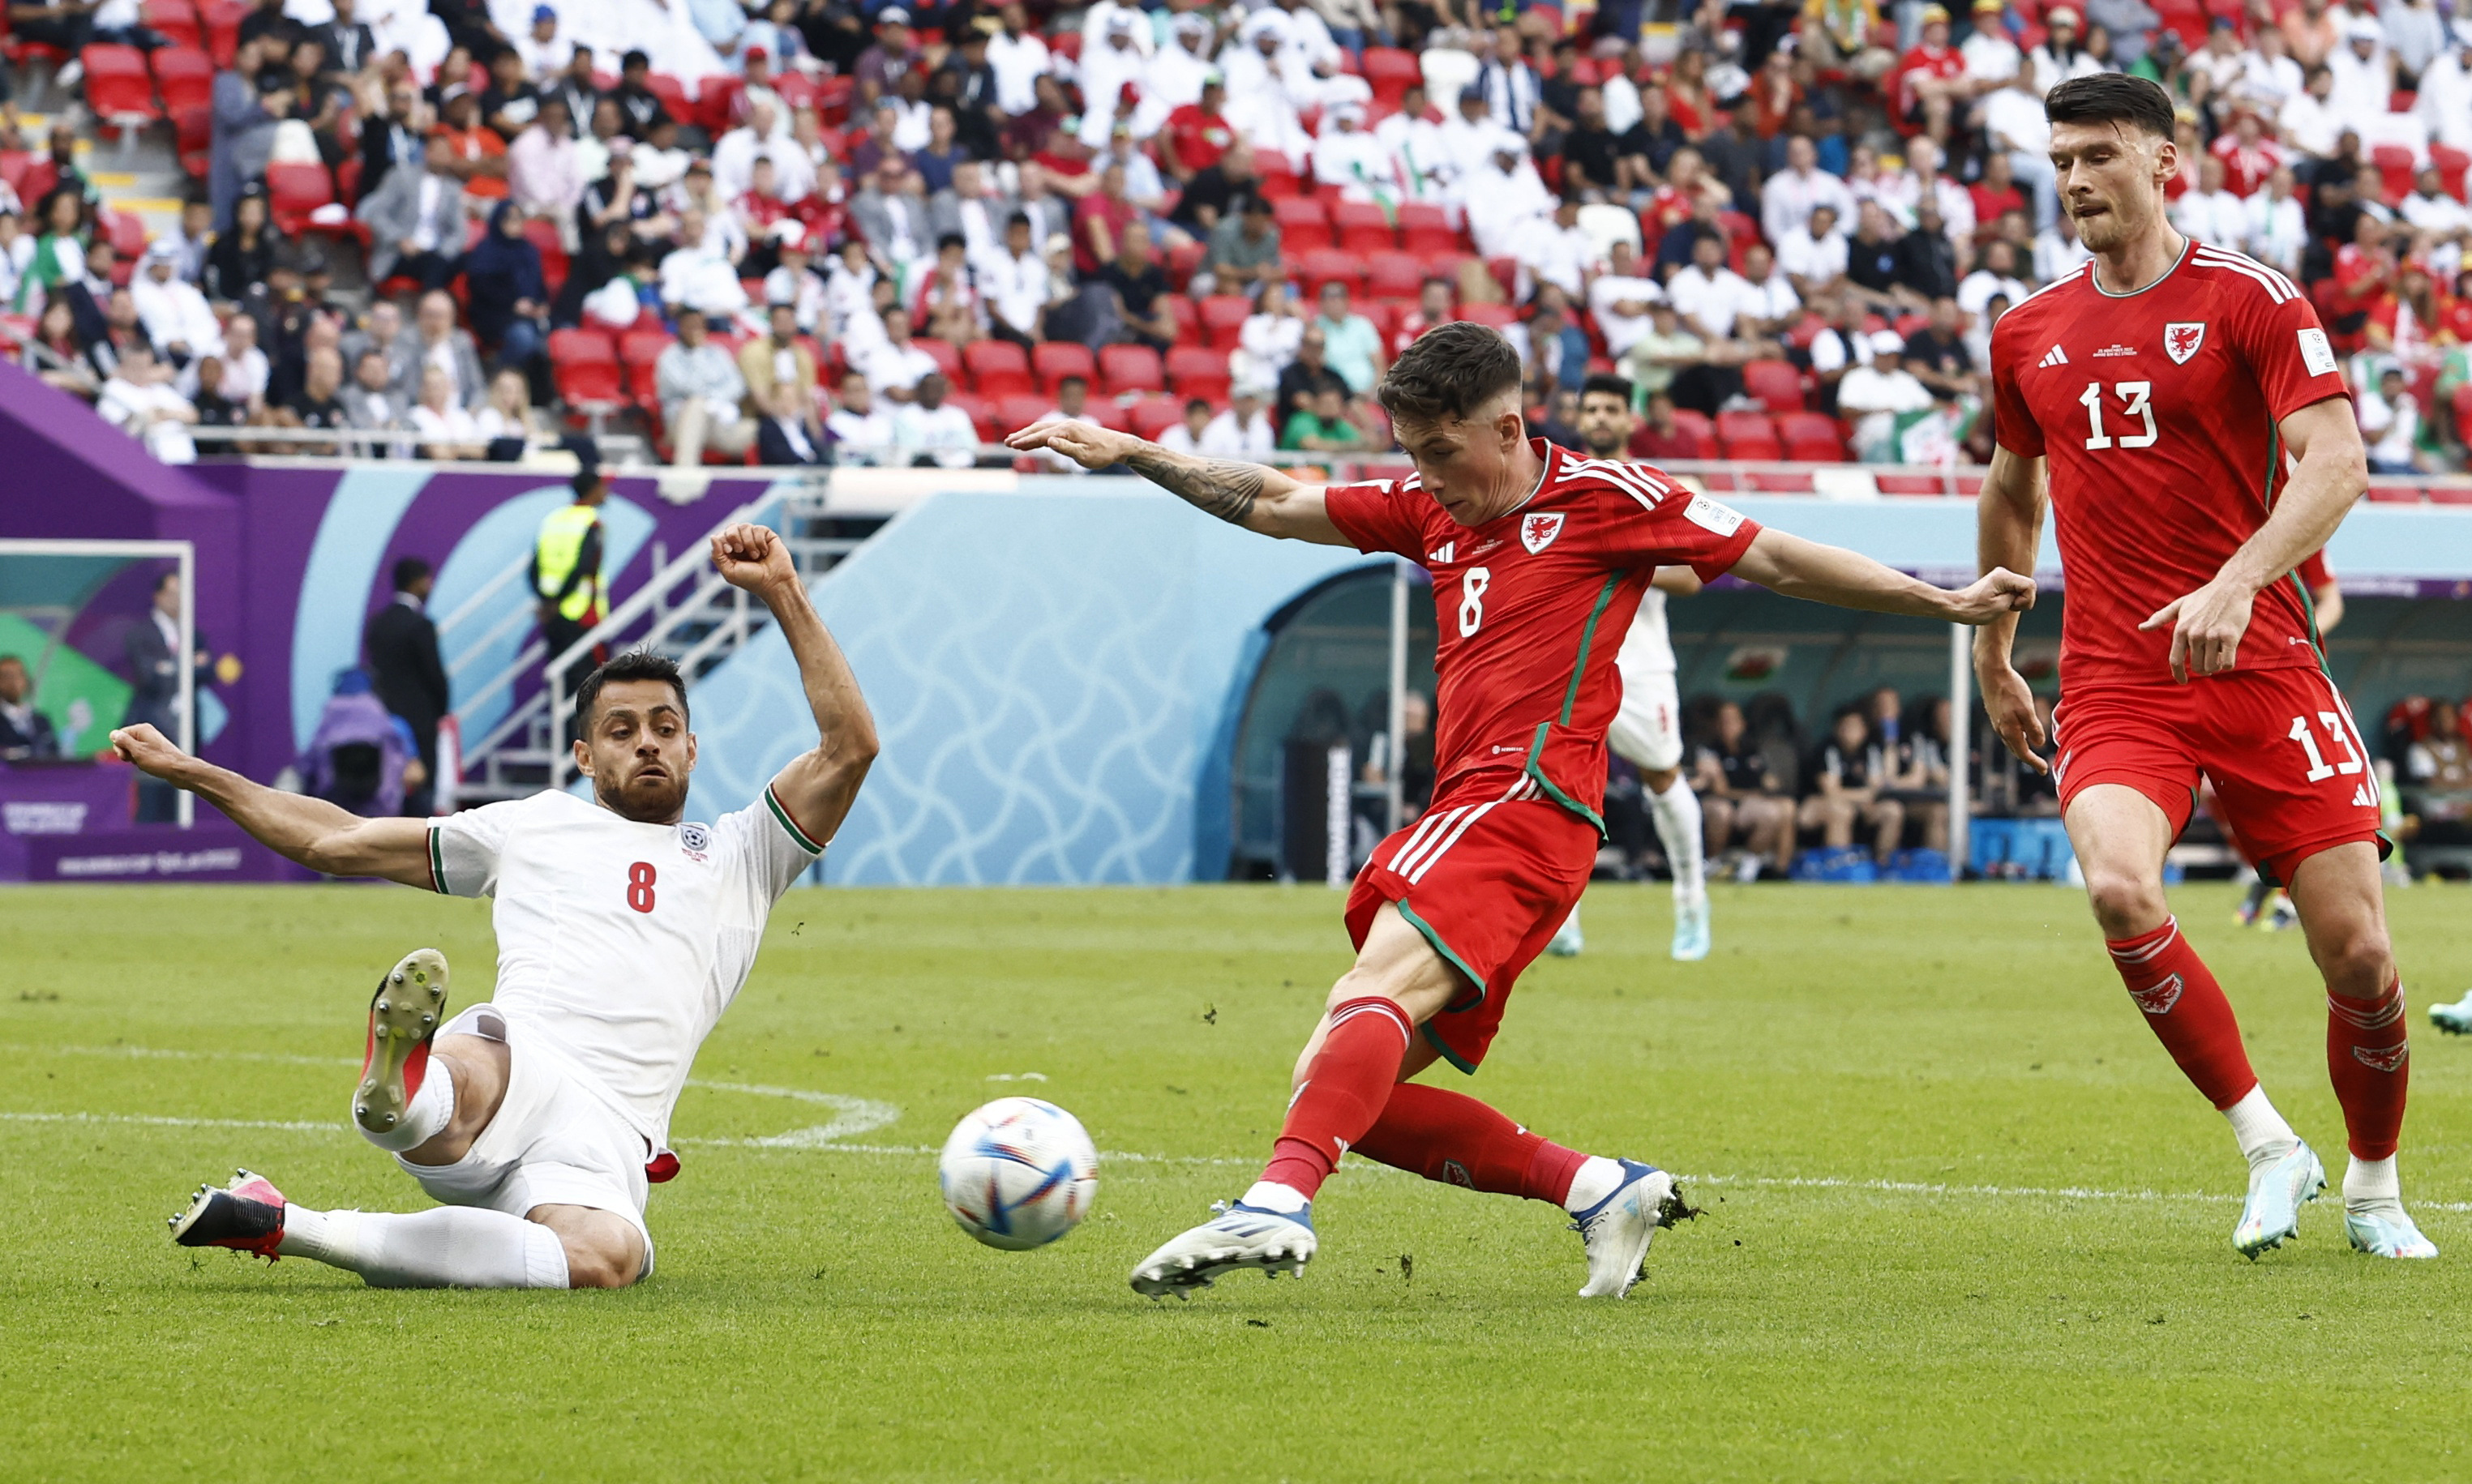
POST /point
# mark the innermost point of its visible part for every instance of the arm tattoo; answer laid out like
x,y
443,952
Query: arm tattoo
x,y
1220,487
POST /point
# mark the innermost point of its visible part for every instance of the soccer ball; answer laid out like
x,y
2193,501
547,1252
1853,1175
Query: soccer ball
x,y
1018,1173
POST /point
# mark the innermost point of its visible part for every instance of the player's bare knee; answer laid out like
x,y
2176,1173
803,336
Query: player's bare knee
x,y
600,1254
2125,903
2359,963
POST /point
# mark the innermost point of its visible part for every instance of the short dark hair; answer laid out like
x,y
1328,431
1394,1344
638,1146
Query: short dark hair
x,y
1609,384
169,574
1083,382
409,570
2111,98
1449,372
628,665
951,240
1202,403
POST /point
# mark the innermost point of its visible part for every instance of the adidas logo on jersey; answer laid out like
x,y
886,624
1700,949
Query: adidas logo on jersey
x,y
2360,798
2054,357
1442,557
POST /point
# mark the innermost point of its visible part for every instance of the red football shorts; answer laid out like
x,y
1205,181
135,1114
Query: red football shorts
x,y
2290,775
1486,875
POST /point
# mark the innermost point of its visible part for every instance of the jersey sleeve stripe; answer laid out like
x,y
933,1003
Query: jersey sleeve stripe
x,y
2229,259
2069,277
2276,289
437,862
781,813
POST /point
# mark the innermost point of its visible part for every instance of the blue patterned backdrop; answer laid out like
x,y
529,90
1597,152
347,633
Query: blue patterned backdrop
x,y
1051,672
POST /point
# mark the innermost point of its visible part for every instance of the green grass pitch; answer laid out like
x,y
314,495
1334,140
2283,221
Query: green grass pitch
x,y
1964,1219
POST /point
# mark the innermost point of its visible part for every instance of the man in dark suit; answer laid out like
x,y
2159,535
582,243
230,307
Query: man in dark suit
x,y
153,649
24,732
405,671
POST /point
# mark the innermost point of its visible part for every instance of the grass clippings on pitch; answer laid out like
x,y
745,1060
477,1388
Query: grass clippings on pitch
x,y
1961,1218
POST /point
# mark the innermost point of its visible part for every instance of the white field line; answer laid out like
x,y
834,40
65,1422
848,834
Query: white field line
x,y
863,1115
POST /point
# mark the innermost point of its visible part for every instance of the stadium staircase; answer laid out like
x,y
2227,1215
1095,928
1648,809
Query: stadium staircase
x,y
684,610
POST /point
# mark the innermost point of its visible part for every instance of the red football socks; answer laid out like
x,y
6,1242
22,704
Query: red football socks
x,y
2187,1010
1345,1089
2369,1058
1454,1139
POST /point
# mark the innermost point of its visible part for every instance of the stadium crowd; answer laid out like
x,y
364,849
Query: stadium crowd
x,y
762,230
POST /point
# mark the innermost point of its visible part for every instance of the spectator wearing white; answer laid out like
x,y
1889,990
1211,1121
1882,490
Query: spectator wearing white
x,y
1179,68
1112,56
2444,103
699,273
177,317
1467,140
1769,306
2220,61
544,173
1709,296
1261,99
1184,435
701,391
1994,276
2277,229
1506,82
1503,196
1874,395
2389,418
1352,160
863,429
2440,222
1555,251
849,301
895,367
1813,255
1020,57
1142,185
2269,77
1839,346
1991,59
1619,298
2310,123
1788,197
1923,170
1108,18
792,282
1244,430
139,400
2061,55
2363,73
2058,249
245,366
1311,54
722,231
1072,405
930,430
2211,213
508,412
1418,155
1895,191
1267,341
971,208
2415,32
765,135
545,51
446,429
1015,282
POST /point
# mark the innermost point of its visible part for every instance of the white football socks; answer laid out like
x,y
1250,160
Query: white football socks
x,y
450,1247
1597,1179
2262,1133
432,1109
1271,1195
1677,815
2373,1184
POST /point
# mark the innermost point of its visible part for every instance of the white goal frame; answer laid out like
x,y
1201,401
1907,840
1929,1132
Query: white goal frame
x,y
186,553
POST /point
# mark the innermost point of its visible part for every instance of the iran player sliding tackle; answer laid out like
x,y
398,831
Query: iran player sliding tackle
x,y
2179,408
622,934
1537,558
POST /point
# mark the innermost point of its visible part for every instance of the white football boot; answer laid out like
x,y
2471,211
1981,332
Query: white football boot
x,y
1567,941
2277,1190
2384,1231
2455,1019
1240,1236
1618,1229
1691,930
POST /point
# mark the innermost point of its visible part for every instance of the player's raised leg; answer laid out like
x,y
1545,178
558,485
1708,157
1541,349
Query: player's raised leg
x,y
2368,1056
2119,836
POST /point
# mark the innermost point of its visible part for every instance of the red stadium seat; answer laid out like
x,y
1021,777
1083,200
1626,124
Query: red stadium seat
x,y
1222,318
1393,275
1326,265
638,351
1182,261
1195,371
1304,226
1055,360
1778,482
543,235
2394,168
1923,485
1391,72
1018,412
1424,230
1505,273
1775,382
1748,436
946,355
584,366
1811,438
1124,369
1501,316
176,21
117,86
1187,315
714,96
2449,494
2395,494
2452,165
293,191
1279,180
193,132
998,368
222,18
673,94
127,231
1697,426
1363,227
981,415
1151,416
185,77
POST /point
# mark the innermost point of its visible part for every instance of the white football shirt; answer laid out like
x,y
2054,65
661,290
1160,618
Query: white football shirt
x,y
621,942
1647,649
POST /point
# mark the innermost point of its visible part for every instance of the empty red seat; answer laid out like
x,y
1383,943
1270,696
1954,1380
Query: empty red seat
x,y
1363,227
221,20
980,411
542,234
1775,382
1124,369
1424,230
1222,318
1327,265
584,366
2394,168
1391,72
1019,410
1151,416
1778,482
1055,360
1811,438
1499,315
1748,436
185,77
176,21
1393,275
293,191
639,351
117,86
998,368
1697,426
1197,371
1922,485
1279,180
1181,309
1304,226
2452,165
2394,494
1182,261
2449,494
946,355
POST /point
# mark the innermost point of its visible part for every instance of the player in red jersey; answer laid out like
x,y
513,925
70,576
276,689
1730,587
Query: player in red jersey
x,y
1538,561
2180,409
